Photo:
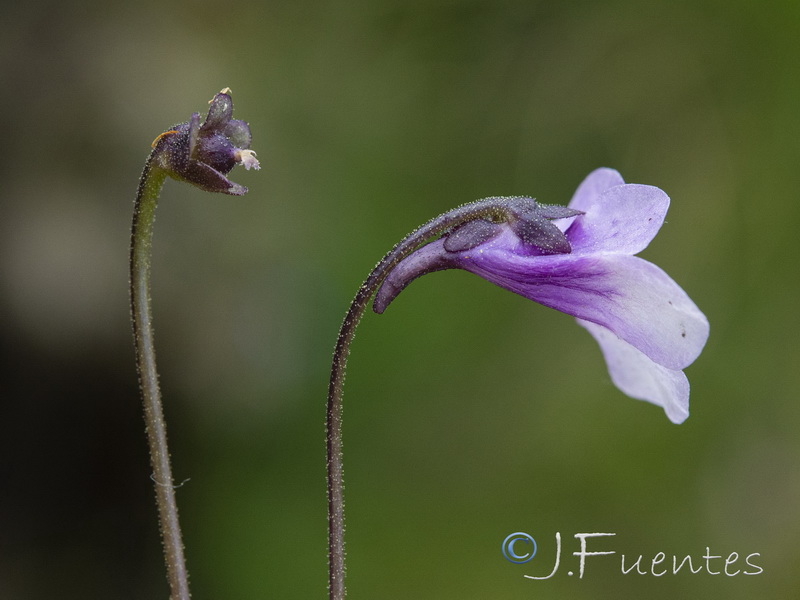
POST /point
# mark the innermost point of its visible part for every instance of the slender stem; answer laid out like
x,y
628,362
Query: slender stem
x,y
490,208
150,185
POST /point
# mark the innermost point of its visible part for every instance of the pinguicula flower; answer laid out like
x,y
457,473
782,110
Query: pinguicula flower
x,y
203,154
581,261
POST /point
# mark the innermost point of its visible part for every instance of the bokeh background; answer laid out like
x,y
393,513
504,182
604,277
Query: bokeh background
x,y
470,413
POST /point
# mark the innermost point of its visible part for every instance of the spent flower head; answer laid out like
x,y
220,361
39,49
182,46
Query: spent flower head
x,y
203,154
583,264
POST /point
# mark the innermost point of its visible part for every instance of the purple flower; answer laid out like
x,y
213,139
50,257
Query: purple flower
x,y
205,154
648,329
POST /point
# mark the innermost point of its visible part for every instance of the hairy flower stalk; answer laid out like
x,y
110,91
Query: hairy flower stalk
x,y
201,155
578,260
483,211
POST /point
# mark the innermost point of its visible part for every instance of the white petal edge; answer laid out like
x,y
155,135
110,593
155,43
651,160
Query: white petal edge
x,y
639,377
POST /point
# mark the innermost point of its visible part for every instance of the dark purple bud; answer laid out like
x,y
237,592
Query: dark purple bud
x,y
203,154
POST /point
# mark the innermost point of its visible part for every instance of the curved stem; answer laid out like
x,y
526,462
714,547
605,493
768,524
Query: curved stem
x,y
488,208
150,185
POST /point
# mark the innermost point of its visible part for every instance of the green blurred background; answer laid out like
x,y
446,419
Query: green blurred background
x,y
470,413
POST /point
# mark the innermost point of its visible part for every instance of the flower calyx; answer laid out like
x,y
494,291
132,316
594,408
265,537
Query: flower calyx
x,y
530,220
525,219
204,153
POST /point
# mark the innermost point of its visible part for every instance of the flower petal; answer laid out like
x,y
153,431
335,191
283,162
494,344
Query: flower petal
x,y
619,217
596,182
628,295
641,378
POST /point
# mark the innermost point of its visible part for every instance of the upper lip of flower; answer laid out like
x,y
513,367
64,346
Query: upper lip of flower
x,y
203,154
599,281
